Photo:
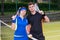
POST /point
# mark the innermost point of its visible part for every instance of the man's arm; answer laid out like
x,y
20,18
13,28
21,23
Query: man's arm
x,y
46,18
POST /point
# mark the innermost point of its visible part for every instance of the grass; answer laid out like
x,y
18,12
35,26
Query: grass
x,y
0,33
51,31
0,37
6,33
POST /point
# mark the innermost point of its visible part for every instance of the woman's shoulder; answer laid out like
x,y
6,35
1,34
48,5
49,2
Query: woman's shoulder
x,y
17,16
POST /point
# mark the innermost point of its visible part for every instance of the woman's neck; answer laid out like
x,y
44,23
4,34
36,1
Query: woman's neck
x,y
22,17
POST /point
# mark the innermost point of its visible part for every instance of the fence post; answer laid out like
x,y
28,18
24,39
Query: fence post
x,y
0,28
0,23
49,5
16,4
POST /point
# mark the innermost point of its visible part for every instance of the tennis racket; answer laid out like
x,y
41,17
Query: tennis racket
x,y
36,7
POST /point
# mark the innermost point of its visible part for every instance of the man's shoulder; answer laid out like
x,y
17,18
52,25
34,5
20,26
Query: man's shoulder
x,y
37,13
28,15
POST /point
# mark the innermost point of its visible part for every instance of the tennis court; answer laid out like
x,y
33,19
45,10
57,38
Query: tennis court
x,y
51,31
0,33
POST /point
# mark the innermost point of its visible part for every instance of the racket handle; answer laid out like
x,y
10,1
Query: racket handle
x,y
6,24
31,37
34,38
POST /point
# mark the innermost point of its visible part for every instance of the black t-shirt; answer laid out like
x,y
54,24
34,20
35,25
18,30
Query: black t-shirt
x,y
35,21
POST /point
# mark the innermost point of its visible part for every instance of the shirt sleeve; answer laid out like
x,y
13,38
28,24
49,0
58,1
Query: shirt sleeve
x,y
27,22
14,21
28,18
43,16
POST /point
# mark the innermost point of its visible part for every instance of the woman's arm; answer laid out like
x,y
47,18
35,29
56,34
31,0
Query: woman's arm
x,y
13,26
28,28
28,32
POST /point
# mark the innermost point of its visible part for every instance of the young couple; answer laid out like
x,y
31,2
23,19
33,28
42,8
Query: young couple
x,y
32,24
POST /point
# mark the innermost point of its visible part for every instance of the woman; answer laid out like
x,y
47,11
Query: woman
x,y
21,23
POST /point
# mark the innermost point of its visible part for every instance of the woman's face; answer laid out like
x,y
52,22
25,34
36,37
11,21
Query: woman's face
x,y
23,12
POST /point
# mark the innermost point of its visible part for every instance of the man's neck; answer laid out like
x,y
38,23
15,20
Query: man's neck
x,y
33,13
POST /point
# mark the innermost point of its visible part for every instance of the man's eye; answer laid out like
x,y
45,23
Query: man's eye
x,y
30,7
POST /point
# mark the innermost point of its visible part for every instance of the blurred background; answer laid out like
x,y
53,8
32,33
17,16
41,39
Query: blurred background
x,y
50,7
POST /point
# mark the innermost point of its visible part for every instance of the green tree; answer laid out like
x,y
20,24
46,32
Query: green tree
x,y
56,2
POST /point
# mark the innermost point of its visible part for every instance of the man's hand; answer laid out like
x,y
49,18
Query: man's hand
x,y
41,12
46,19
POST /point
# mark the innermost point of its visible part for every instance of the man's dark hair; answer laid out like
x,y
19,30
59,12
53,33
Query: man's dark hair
x,y
30,3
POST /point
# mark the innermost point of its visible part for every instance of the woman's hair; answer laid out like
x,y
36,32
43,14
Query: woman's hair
x,y
20,8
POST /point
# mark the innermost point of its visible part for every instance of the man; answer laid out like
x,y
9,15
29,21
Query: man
x,y
35,20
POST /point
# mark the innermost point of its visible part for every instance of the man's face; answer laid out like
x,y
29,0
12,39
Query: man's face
x,y
31,8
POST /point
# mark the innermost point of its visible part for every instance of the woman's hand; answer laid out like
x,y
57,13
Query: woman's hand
x,y
13,26
13,17
30,35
